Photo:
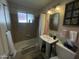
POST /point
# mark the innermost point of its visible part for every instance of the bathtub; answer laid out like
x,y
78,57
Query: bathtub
x,y
63,52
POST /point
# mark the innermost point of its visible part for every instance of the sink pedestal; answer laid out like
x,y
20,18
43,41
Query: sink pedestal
x,y
49,43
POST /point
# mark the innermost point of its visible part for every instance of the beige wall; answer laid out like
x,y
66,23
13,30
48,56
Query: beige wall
x,y
61,11
61,26
61,4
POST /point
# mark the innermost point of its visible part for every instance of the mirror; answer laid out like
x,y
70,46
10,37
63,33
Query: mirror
x,y
54,22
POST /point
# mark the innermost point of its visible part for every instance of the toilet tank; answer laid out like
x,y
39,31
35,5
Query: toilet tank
x,y
64,53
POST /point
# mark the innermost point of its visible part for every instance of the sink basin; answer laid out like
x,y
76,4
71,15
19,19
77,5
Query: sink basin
x,y
48,39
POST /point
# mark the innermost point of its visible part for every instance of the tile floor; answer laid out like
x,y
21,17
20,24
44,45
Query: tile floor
x,y
31,55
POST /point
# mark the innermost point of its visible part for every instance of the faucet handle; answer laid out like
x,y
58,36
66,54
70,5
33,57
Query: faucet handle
x,y
54,37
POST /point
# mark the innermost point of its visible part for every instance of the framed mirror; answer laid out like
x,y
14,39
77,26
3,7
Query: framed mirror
x,y
54,21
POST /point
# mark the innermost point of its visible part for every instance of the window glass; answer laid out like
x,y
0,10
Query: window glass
x,y
22,17
25,17
30,18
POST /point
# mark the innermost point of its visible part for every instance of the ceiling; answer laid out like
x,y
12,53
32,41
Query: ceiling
x,y
32,4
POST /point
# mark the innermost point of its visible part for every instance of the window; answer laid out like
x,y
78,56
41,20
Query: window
x,y
30,18
25,17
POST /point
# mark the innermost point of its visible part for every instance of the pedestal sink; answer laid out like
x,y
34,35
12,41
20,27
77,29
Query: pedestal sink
x,y
48,39
49,42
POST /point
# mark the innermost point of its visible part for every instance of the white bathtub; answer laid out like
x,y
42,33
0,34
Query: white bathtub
x,y
63,52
